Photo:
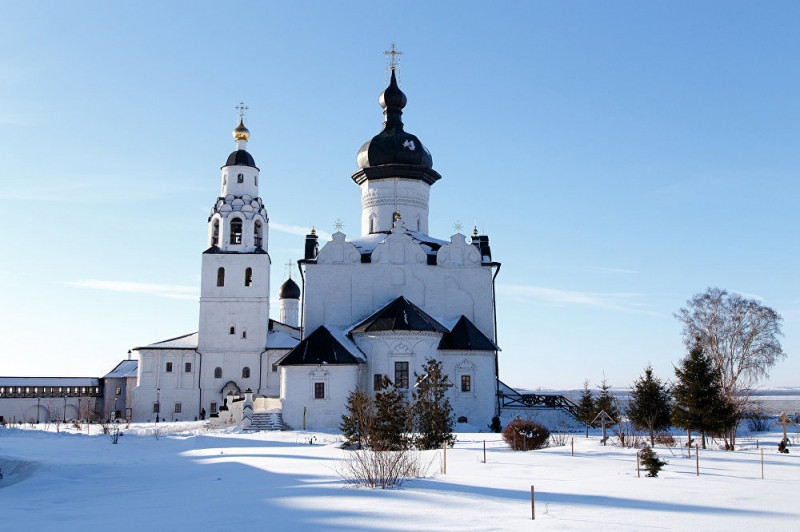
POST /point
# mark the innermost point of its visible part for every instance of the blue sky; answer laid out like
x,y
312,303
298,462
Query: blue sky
x,y
621,156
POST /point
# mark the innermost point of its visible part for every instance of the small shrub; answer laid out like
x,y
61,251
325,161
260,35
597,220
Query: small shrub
x,y
650,461
381,469
496,426
526,435
628,436
782,446
666,439
558,438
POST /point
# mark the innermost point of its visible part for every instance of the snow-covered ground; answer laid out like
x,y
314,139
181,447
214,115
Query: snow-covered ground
x,y
189,478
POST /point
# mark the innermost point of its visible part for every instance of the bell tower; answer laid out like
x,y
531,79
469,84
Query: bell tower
x,y
234,293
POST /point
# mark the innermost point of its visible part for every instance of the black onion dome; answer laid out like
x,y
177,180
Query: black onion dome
x,y
393,145
289,290
240,158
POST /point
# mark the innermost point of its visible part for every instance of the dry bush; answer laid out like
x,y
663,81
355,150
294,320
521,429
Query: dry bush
x,y
628,435
666,439
526,435
381,469
558,438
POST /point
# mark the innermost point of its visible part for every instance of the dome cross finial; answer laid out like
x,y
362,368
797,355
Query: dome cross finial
x,y
242,108
392,61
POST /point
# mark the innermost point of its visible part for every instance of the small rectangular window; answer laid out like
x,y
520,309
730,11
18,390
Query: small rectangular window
x,y
187,367
119,391
275,368
466,383
319,390
377,382
401,375
169,367
213,408
177,408
156,408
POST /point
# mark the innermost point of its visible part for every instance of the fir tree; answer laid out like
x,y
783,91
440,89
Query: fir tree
x,y
650,404
586,407
700,402
432,413
606,401
389,428
356,423
650,461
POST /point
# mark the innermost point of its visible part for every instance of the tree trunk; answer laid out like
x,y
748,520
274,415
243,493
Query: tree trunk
x,y
652,437
703,439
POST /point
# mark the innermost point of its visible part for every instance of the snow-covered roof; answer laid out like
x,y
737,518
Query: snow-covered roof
x,y
49,381
324,346
187,341
366,244
281,340
125,369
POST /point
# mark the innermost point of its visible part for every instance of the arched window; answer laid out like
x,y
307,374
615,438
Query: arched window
x,y
215,233
232,329
255,180
240,178
244,334
224,179
257,234
236,231
248,277
217,373
245,372
220,276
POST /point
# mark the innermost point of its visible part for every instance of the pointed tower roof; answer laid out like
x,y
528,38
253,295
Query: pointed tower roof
x,y
322,347
394,152
465,336
400,315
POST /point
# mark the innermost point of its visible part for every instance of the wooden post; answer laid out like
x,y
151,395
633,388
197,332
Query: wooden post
x,y
638,471
697,460
756,443
484,451
762,464
533,505
689,442
444,465
572,444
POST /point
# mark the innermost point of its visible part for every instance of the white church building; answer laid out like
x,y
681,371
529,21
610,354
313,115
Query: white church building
x,y
373,305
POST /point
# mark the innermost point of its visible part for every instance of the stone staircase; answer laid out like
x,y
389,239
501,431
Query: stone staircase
x,y
268,421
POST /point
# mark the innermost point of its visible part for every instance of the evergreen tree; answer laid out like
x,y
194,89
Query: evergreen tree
x,y
586,407
432,413
650,461
606,401
700,402
389,428
356,423
650,404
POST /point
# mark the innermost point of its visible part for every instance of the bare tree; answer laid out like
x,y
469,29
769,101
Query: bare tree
x,y
740,336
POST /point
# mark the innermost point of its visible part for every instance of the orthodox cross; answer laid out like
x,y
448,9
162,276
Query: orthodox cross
x,y
338,224
604,420
289,268
242,108
457,227
784,421
392,61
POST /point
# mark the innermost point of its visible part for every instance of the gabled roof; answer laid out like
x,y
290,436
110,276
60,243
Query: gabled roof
x,y
465,336
399,315
126,368
187,341
323,346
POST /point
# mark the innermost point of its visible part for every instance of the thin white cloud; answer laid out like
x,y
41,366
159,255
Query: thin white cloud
x,y
552,296
298,230
160,290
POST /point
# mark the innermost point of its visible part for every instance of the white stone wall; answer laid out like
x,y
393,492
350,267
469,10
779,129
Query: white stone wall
x,y
297,393
176,386
341,291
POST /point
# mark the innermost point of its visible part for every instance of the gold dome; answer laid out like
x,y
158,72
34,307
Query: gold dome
x,y
241,132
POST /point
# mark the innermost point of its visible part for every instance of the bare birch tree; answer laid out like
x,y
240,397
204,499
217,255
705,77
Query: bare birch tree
x,y
741,336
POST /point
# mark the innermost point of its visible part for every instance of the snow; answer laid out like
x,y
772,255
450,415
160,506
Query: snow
x,y
220,480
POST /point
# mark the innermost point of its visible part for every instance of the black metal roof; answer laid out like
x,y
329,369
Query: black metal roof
x,y
319,347
289,290
394,146
216,250
465,336
240,158
400,315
